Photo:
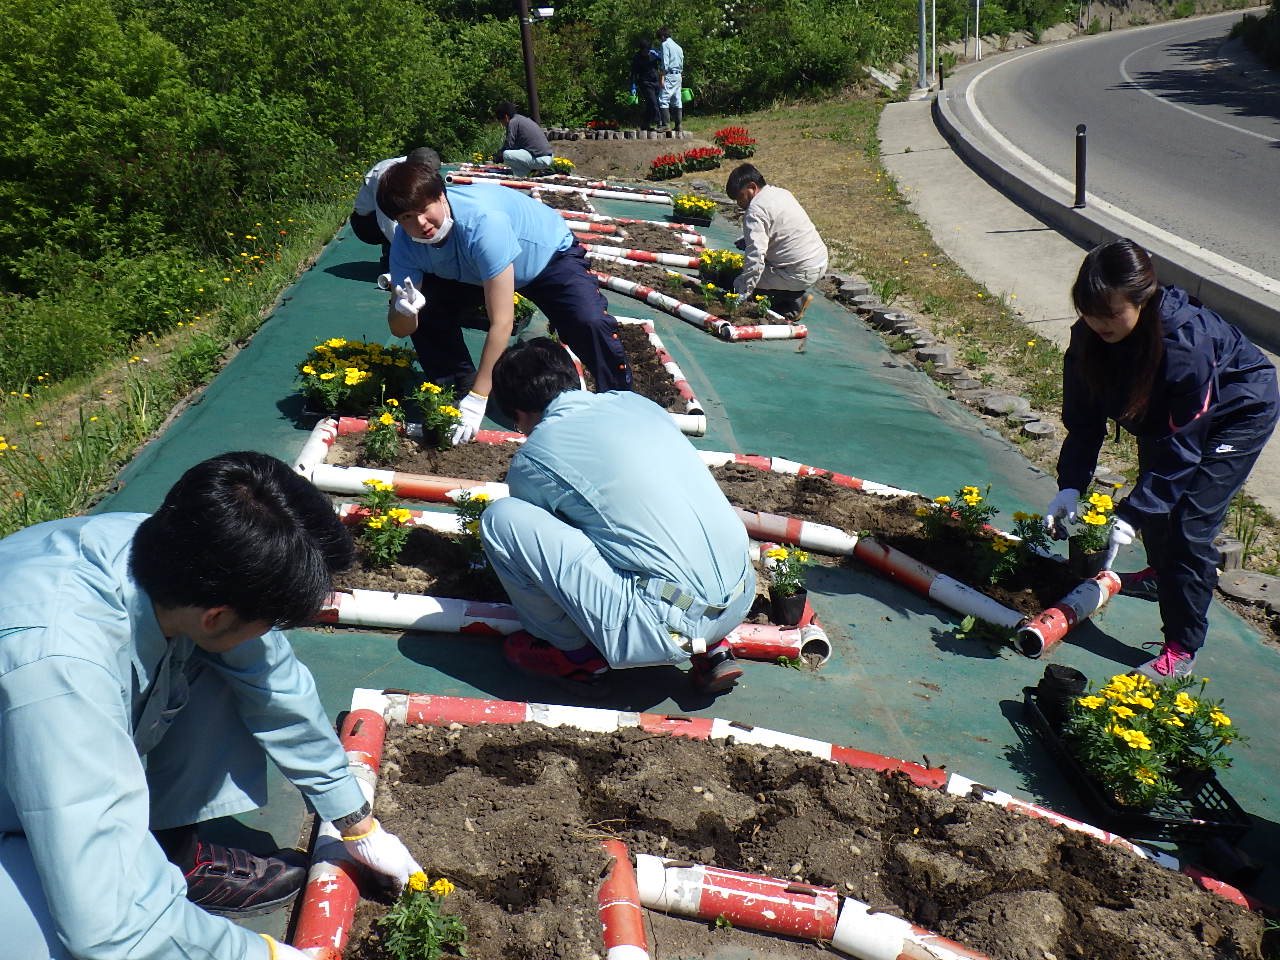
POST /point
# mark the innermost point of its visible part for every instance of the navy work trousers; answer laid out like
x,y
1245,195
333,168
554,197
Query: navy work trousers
x,y
569,296
1180,543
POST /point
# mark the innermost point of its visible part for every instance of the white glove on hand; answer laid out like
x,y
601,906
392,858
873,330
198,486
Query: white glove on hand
x,y
282,951
1122,534
409,299
384,853
472,408
1062,508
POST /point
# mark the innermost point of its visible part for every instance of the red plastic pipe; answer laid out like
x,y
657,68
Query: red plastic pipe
x,y
620,911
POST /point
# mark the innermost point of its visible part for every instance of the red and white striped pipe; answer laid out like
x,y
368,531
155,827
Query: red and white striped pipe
x,y
700,318
604,218
584,226
495,172
328,903
411,611
818,537
715,458
692,404
645,256
620,912
1047,629
798,910
664,198
442,711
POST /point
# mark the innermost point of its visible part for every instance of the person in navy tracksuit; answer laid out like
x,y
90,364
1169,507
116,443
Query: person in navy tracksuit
x,y
1201,401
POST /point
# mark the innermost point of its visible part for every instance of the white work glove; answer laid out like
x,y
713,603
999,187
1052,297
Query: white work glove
x,y
282,951
1061,510
384,281
472,409
383,853
1122,534
409,299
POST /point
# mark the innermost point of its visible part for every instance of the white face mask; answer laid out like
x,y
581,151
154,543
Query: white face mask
x,y
441,232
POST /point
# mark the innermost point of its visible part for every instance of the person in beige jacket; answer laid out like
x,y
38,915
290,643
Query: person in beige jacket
x,y
783,256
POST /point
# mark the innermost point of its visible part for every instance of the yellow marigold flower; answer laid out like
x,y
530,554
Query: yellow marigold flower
x,y
308,368
1174,721
1145,776
371,483
328,375
776,553
1090,703
386,419
1121,711
801,556
1145,702
480,497
1020,515
923,511
376,523
430,388
1000,545
1138,740
943,499
1094,518
392,402
472,527
1101,501
442,887
400,515
418,881
450,411
1219,719
969,491
1185,703
335,342
972,499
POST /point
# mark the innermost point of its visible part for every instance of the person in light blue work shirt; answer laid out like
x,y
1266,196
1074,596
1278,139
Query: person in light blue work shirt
x,y
670,98
142,686
616,546
477,245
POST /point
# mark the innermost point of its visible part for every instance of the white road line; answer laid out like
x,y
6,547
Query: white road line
x,y
1124,72
1215,260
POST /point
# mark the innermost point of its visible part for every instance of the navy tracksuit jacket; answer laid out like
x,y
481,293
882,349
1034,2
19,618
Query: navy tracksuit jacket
x,y
1213,406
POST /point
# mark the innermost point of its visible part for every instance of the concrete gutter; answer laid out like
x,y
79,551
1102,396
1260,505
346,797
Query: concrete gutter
x,y
1253,310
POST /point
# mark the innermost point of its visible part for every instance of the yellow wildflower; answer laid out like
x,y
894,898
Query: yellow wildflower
x,y
1094,518
1101,501
1090,703
776,553
449,411
335,342
417,881
400,515
386,419
1185,703
329,375
1121,711
376,523
392,402
943,499
1219,719
430,388
442,887
308,368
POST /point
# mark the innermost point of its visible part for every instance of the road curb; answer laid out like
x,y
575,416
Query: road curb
x,y
1254,311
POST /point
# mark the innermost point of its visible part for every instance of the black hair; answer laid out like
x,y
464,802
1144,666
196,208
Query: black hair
x,y
407,188
644,42
424,156
1121,268
504,108
744,174
245,531
664,32
532,374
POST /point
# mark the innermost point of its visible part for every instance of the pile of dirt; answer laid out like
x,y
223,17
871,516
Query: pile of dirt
x,y
623,159
664,280
431,564
648,236
514,814
559,200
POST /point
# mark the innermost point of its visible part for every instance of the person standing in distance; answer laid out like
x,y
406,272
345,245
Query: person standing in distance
x,y
1200,399
670,106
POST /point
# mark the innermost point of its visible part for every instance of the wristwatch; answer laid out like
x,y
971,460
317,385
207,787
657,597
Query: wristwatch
x,y
344,824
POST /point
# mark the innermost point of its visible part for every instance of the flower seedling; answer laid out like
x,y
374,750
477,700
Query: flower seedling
x,y
352,374
1095,522
1133,735
439,415
417,928
666,167
471,508
720,266
692,205
385,527
562,165
382,441
736,142
785,568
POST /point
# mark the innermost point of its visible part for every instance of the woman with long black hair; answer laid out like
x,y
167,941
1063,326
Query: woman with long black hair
x,y
1200,399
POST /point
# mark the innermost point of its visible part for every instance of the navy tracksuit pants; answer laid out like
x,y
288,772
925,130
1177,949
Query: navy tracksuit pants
x,y
569,296
1180,543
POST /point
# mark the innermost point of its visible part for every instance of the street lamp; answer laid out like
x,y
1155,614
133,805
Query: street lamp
x,y
526,43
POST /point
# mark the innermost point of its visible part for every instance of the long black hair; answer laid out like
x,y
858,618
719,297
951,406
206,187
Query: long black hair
x,y
1121,268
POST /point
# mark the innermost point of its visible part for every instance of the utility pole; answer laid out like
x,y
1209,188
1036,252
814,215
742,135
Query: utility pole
x,y
922,61
977,30
937,77
530,79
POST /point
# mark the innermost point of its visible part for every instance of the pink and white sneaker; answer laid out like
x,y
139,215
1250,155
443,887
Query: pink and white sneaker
x,y
1174,661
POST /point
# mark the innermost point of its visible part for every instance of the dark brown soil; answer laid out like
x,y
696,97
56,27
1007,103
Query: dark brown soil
x,y
431,564
688,290
649,377
471,461
892,520
559,200
513,815
650,236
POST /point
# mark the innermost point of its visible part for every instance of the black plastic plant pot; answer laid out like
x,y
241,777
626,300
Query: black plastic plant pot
x,y
689,219
1084,564
1210,812
789,608
1057,688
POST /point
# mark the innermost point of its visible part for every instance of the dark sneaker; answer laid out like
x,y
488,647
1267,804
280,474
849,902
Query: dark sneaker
x,y
536,657
794,316
715,671
1143,584
235,883
1174,661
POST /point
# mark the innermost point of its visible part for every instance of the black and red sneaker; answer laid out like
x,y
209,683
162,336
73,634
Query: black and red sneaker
x,y
235,883
717,670
536,657
1144,584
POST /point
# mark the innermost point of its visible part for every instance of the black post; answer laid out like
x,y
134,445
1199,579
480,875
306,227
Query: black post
x,y
530,80
1079,166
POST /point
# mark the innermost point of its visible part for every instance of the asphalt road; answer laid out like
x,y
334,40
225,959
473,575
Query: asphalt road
x,y
1177,137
